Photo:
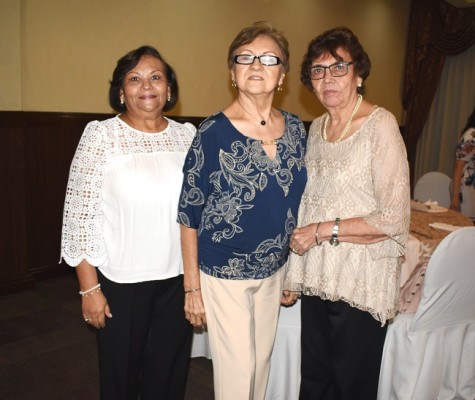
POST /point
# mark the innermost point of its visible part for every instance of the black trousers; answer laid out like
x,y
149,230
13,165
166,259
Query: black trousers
x,y
341,351
144,350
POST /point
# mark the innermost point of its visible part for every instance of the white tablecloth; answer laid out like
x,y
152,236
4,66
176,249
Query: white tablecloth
x,y
284,377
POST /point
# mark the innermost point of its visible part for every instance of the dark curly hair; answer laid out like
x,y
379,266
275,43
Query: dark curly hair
x,y
328,43
129,61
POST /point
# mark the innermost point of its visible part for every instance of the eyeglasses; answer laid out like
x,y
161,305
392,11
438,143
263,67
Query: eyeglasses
x,y
340,68
265,59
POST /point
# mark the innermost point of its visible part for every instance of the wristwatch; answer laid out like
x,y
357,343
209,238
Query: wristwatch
x,y
334,240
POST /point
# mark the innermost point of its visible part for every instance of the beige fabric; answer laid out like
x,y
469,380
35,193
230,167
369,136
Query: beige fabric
x,y
242,320
365,176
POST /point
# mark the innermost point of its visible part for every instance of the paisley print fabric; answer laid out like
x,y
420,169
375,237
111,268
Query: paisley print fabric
x,y
243,203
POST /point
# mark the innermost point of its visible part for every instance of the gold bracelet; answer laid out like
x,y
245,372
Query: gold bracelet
x,y
192,290
316,235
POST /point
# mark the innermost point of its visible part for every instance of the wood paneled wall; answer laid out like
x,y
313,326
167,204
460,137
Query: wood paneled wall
x,y
36,152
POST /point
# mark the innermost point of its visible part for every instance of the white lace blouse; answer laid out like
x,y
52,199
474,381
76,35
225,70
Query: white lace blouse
x,y
366,176
121,201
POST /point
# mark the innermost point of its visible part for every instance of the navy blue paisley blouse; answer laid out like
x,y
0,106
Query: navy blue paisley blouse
x,y
243,203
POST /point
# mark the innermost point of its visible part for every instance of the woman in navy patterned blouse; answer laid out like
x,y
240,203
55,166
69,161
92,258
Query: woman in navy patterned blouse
x,y
243,179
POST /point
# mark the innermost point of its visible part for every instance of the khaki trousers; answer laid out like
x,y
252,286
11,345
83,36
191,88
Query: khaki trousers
x,y
242,320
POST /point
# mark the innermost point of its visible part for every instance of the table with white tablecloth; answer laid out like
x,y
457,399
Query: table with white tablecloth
x,y
427,230
284,376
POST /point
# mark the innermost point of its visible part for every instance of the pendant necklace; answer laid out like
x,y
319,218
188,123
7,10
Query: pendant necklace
x,y
263,122
347,126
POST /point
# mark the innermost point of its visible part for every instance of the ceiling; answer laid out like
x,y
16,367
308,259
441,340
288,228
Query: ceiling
x,y
462,3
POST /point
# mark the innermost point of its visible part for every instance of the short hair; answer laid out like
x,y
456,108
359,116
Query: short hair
x,y
328,43
249,34
128,62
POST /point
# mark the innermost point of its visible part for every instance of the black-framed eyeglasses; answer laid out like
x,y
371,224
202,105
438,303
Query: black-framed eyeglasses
x,y
340,68
265,59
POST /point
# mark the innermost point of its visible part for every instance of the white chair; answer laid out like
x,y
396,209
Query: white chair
x,y
284,376
433,186
431,354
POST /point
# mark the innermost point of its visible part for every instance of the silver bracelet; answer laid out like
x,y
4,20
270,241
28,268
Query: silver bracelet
x,y
316,235
334,240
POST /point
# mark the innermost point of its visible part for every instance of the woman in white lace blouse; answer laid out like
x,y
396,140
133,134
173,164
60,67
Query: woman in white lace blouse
x,y
121,234
352,227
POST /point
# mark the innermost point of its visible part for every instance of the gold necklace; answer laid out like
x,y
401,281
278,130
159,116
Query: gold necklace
x,y
347,126
268,142
262,121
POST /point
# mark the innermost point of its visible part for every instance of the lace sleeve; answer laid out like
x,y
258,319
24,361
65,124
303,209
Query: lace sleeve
x,y
390,173
82,236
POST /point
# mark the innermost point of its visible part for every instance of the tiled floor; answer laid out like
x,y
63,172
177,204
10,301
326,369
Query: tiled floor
x,y
47,352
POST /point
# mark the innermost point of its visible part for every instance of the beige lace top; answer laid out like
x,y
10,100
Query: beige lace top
x,y
366,176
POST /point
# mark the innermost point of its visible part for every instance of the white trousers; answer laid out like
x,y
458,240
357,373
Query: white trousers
x,y
242,321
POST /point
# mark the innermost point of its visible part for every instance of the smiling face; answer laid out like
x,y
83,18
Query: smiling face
x,y
145,87
335,92
257,78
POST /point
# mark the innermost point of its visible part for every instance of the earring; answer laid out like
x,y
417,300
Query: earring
x,y
169,98
279,88
233,84
122,100
359,84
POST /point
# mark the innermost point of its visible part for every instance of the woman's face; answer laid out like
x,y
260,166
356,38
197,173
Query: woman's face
x,y
256,78
335,92
145,87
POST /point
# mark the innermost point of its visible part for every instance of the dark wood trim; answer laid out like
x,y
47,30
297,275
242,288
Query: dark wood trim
x,y
17,285
36,149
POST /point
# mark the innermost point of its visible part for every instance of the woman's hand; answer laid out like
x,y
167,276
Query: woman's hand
x,y
95,309
303,239
194,308
289,298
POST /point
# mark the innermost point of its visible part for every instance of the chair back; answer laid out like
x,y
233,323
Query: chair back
x,y
448,295
433,186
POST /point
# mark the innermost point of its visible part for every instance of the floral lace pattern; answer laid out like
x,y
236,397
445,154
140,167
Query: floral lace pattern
x,y
366,176
229,183
101,145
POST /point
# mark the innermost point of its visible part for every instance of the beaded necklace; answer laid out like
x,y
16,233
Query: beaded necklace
x,y
347,126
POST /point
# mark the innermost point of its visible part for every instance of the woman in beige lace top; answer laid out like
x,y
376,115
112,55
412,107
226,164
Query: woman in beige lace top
x,y
352,228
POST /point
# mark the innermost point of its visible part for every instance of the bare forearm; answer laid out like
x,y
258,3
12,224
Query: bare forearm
x,y
87,275
194,307
353,230
189,250
457,181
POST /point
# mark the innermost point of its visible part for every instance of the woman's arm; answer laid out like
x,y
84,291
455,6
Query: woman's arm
x,y
354,230
94,304
456,182
194,307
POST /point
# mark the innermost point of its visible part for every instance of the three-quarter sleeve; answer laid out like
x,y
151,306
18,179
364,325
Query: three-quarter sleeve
x,y
195,185
82,236
390,174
